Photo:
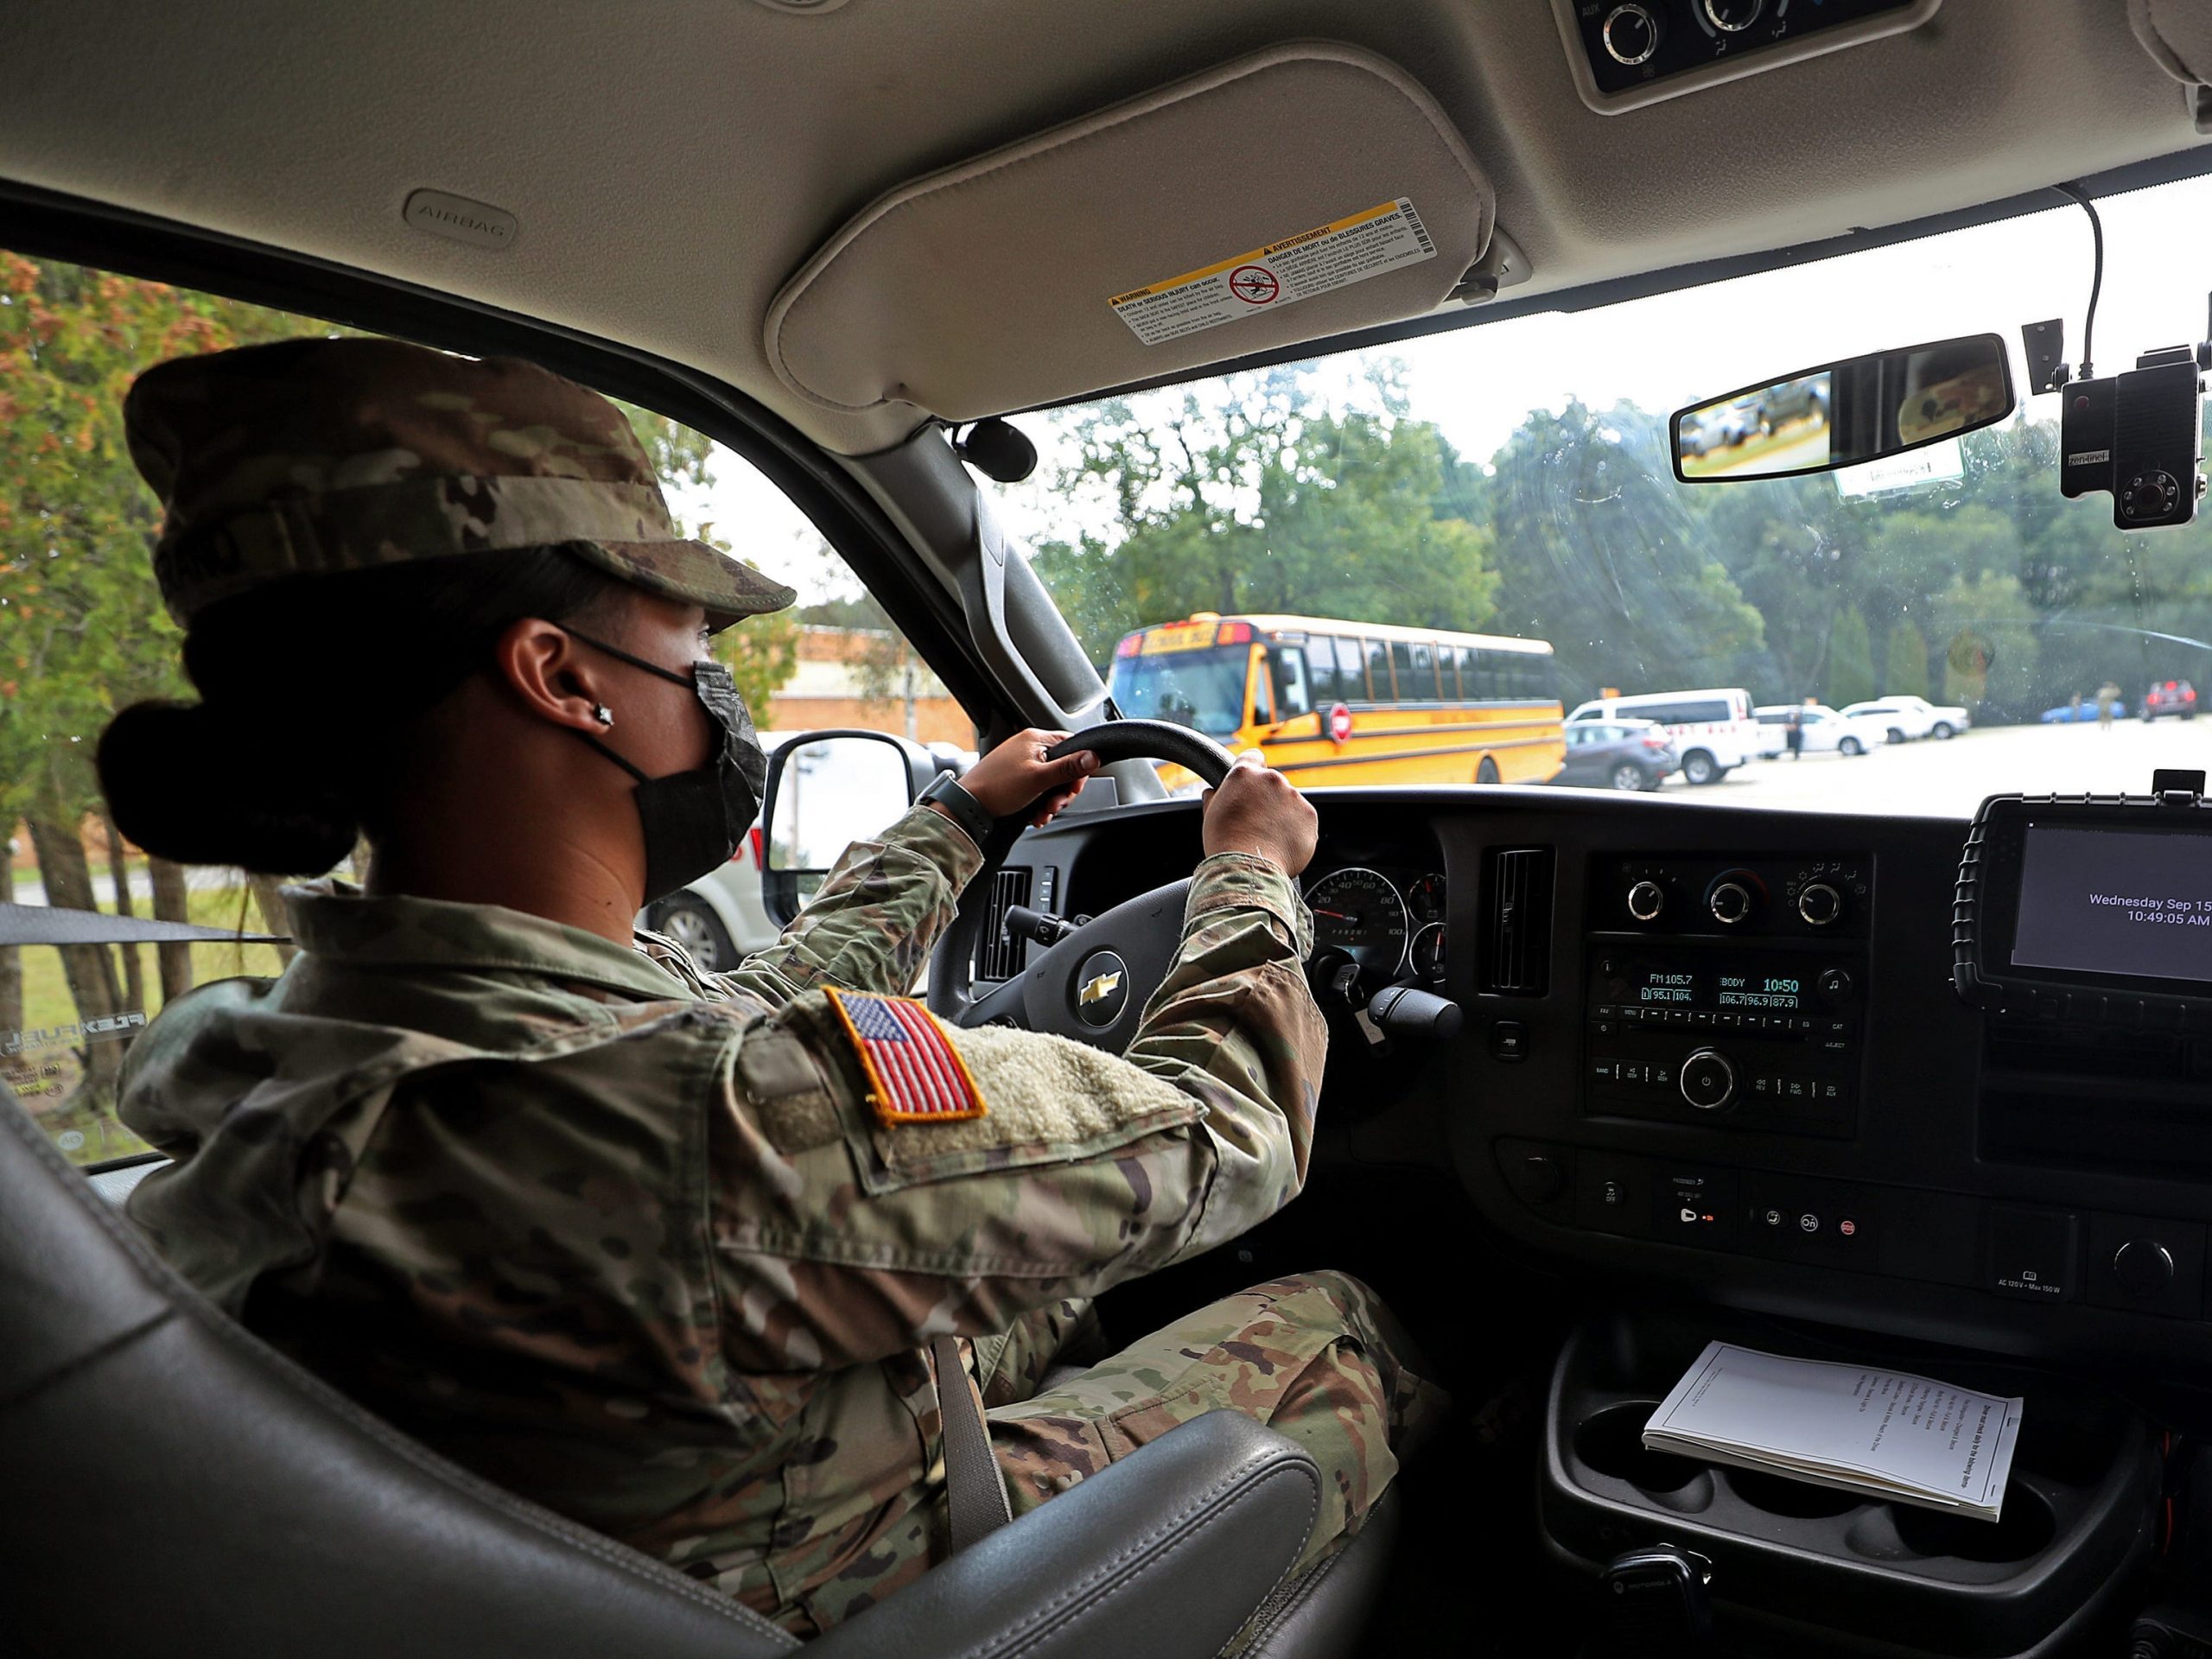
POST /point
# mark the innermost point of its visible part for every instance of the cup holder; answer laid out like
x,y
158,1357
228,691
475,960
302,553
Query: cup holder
x,y
2070,1452
1798,1499
1905,1532
2026,1531
1612,1444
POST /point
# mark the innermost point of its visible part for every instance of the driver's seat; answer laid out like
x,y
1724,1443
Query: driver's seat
x,y
175,1485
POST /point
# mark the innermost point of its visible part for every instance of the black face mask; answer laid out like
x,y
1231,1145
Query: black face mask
x,y
694,821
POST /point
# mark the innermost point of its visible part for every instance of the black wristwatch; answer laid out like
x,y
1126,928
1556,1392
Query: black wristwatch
x,y
966,811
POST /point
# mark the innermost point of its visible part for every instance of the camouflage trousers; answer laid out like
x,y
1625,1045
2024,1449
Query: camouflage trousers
x,y
1318,1357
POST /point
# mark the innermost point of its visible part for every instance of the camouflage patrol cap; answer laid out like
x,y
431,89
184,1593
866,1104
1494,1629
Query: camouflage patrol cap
x,y
311,456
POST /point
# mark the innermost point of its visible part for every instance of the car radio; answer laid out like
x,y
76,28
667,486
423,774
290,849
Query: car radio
x,y
1729,993
2089,910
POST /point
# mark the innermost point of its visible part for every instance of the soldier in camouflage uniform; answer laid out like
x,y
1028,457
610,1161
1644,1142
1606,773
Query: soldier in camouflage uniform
x,y
627,1237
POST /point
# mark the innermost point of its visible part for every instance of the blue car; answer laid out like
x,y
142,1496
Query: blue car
x,y
2067,714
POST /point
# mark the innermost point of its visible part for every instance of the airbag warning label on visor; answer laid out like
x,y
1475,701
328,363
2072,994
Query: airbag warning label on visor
x,y
1283,273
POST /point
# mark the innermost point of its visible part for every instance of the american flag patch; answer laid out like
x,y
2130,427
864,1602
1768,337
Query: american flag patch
x,y
914,1074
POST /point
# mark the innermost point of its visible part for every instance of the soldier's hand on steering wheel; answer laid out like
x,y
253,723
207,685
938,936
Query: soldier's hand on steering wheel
x,y
1015,775
1257,811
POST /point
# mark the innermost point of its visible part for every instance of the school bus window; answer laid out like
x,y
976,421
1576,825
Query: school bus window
x,y
1286,675
1321,670
1381,685
1424,667
1351,670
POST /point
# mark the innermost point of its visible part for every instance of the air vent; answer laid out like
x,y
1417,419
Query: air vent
x,y
999,956
1517,928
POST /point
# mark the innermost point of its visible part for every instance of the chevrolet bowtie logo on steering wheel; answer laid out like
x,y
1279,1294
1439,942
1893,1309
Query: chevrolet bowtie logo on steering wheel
x,y
1100,989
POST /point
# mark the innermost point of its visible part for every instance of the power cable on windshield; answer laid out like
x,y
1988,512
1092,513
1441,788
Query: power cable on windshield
x,y
2074,194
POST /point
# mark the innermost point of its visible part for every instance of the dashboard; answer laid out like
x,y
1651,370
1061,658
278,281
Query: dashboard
x,y
1391,921
1726,1052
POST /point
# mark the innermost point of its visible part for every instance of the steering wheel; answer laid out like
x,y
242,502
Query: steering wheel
x,y
1094,983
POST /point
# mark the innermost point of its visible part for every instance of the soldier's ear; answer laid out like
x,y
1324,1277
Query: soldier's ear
x,y
549,673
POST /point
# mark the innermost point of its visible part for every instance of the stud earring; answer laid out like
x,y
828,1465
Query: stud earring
x,y
603,715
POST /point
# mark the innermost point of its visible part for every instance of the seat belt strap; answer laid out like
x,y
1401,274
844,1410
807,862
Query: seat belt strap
x,y
974,1491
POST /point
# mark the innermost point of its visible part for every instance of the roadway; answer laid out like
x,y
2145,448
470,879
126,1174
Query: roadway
x,y
1951,779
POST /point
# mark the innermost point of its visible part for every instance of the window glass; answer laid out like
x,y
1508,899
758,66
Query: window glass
x,y
83,632
1321,671
1380,685
1424,675
1351,670
1286,671
1515,479
1201,688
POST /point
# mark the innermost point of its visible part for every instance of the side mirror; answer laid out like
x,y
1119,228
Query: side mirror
x,y
1841,414
827,789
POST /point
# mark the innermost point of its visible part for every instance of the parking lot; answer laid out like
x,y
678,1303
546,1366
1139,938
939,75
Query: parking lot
x,y
1950,779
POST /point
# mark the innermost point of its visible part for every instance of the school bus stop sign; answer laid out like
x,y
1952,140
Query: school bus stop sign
x,y
1340,723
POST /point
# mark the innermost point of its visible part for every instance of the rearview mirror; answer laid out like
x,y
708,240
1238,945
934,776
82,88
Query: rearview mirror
x,y
825,791
1841,414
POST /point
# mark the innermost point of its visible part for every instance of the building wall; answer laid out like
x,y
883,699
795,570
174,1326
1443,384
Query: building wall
x,y
828,685
936,720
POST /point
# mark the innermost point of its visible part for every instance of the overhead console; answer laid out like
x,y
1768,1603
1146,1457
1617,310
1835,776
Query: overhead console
x,y
1626,54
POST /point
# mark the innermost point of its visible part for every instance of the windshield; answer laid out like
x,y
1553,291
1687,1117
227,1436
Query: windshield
x,y
1515,479
1203,688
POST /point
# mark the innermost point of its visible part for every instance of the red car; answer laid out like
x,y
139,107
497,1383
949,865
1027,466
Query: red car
x,y
2170,697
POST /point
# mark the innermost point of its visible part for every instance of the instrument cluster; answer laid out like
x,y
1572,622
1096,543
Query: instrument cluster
x,y
1388,919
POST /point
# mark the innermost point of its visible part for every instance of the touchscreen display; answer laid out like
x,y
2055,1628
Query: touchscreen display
x,y
2115,901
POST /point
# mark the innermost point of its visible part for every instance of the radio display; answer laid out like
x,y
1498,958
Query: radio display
x,y
2115,901
1671,988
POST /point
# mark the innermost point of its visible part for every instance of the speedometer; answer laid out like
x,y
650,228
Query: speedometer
x,y
1361,913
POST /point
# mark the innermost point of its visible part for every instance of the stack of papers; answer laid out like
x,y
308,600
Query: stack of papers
x,y
1885,1434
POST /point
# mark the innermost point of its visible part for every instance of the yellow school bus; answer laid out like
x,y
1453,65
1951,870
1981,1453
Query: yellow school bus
x,y
1332,701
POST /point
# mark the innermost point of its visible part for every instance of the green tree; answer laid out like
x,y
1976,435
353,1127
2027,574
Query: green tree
x,y
1851,661
1602,553
1259,495
1990,650
1906,661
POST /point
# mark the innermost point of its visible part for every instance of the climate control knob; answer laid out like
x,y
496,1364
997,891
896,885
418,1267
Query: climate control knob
x,y
1734,16
1731,903
1820,904
1631,33
1646,900
1708,1081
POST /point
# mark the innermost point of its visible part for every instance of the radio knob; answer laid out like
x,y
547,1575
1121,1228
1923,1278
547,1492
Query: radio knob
x,y
1646,900
1820,904
1835,985
2143,1266
1631,33
1708,1081
1731,903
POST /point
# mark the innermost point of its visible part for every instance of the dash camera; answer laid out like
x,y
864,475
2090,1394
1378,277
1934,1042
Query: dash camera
x,y
2139,435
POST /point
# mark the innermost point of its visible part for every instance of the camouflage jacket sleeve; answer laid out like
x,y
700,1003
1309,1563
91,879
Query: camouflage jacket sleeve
x,y
840,1239
871,927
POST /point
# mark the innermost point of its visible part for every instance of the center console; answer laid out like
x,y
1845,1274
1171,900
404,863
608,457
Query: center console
x,y
1749,1070
1728,992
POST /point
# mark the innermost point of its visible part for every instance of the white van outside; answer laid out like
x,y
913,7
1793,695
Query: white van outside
x,y
1712,730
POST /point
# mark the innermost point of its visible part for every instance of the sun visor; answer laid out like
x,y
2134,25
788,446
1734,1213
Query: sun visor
x,y
2178,34
1300,193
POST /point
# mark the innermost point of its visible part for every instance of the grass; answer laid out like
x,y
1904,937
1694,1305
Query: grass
x,y
49,1078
